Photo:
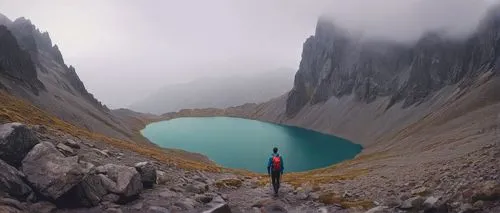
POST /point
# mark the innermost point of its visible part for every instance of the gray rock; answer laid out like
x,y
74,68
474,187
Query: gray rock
x,y
221,208
111,198
186,204
40,129
6,208
88,144
125,181
16,140
302,195
168,194
50,173
273,208
103,153
161,177
91,190
137,206
314,196
431,202
113,210
13,203
467,208
489,191
347,194
11,182
147,172
197,188
157,209
71,143
224,196
419,191
218,200
390,202
478,204
66,150
379,209
204,198
42,207
177,189
412,203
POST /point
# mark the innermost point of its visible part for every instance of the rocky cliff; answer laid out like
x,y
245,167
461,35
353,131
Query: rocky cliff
x,y
15,63
32,67
336,64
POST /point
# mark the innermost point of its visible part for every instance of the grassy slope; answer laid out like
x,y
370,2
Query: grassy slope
x,y
13,109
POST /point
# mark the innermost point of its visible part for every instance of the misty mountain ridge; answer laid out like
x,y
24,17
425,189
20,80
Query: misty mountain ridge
x,y
33,69
218,91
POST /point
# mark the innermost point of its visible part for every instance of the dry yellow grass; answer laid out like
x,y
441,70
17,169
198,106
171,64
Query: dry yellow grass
x,y
342,171
229,183
13,109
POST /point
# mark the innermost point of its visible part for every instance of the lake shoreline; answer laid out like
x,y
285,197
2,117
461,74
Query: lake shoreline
x,y
255,133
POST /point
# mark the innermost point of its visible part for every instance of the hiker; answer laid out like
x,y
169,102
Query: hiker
x,y
275,169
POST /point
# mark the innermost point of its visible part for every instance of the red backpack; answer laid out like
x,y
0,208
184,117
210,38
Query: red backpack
x,y
276,163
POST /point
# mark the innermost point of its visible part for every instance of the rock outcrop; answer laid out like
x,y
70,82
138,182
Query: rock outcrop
x,y
147,172
32,68
16,140
122,180
16,63
11,182
52,174
336,64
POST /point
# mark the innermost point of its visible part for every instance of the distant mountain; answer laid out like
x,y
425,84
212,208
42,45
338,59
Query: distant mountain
x,y
219,92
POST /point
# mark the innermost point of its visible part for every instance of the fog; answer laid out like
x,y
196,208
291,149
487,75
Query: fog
x,y
124,50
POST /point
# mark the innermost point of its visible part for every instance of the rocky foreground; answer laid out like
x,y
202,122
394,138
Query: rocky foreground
x,y
49,171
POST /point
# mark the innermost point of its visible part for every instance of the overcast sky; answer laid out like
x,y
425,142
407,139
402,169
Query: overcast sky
x,y
125,49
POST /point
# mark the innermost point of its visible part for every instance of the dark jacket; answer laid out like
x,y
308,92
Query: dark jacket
x,y
270,163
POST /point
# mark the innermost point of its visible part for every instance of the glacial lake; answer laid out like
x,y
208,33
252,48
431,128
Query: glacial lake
x,y
247,144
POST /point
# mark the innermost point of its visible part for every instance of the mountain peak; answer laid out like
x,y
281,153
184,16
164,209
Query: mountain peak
x,y
4,20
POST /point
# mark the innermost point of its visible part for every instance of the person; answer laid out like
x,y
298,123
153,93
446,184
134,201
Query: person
x,y
275,169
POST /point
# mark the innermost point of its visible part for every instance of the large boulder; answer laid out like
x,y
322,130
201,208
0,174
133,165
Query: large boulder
x,y
148,173
50,173
16,140
122,180
90,192
11,182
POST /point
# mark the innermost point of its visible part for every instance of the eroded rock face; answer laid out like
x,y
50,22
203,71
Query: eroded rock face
x,y
17,63
335,63
16,140
11,182
50,173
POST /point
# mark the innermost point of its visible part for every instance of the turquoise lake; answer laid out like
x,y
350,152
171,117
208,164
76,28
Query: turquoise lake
x,y
247,144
